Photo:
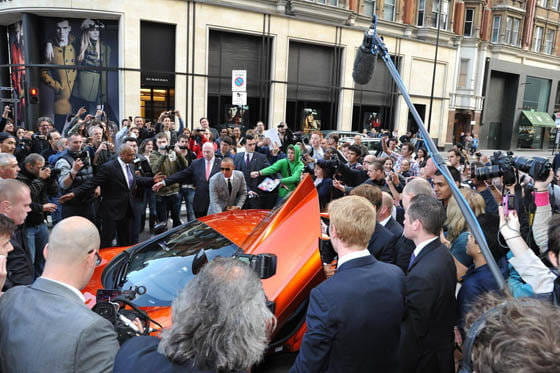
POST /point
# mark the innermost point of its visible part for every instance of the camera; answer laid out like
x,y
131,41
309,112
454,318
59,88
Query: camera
x,y
183,147
538,168
502,165
83,156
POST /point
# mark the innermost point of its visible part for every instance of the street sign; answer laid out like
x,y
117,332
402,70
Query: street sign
x,y
238,80
12,100
239,98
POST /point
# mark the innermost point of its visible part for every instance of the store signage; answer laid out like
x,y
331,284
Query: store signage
x,y
239,80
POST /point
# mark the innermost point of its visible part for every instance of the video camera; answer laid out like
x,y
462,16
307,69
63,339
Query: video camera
x,y
506,164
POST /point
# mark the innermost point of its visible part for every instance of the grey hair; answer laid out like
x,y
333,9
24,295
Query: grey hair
x,y
6,158
92,128
44,119
418,186
220,319
33,159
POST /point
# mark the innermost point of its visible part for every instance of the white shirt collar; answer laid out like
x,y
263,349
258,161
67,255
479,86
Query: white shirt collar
x,y
73,289
422,245
353,255
384,221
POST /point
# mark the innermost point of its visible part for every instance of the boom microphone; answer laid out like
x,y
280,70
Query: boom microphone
x,y
364,64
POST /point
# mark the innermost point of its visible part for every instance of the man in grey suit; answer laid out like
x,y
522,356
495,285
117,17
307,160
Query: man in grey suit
x,y
228,189
46,327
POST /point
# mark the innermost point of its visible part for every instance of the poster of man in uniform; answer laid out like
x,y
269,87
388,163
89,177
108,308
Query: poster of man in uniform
x,y
17,73
90,44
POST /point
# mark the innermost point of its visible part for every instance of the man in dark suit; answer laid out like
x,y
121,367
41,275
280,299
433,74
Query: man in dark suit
x,y
427,330
404,246
382,242
119,200
72,337
384,215
249,161
353,319
198,174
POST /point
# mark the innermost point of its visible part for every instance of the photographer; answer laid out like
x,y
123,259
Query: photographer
x,y
38,178
75,169
39,141
167,160
482,188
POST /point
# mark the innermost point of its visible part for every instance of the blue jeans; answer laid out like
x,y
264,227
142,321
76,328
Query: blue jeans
x,y
35,239
187,195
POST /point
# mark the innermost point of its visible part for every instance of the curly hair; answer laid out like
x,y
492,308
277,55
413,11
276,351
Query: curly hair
x,y
220,319
522,336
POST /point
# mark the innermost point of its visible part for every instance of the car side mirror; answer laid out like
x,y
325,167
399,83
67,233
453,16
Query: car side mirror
x,y
263,264
199,261
159,228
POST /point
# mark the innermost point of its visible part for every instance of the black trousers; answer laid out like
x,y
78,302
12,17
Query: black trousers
x,y
122,228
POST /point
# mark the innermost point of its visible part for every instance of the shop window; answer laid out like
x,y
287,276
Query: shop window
x,y
537,93
469,22
496,29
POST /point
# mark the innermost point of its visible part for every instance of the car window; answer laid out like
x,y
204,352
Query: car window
x,y
164,266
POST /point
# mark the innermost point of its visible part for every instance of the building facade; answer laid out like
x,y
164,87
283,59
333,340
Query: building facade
x,y
158,55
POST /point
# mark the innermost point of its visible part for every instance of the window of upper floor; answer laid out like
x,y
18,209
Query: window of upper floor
x,y
389,10
496,22
469,22
537,39
369,7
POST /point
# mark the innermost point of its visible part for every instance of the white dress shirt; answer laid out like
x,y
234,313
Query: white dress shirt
x,y
123,168
384,221
353,255
69,287
422,245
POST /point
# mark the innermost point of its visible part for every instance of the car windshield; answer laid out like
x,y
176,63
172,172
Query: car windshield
x,y
164,266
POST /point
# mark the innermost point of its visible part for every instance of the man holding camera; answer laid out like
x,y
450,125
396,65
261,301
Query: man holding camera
x,y
76,169
38,178
167,160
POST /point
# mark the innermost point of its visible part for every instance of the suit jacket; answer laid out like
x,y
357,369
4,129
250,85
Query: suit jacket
x,y
257,163
394,227
220,198
140,354
353,320
196,175
116,197
45,327
403,252
382,244
427,330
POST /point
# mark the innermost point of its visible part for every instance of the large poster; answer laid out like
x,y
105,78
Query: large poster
x,y
17,73
89,43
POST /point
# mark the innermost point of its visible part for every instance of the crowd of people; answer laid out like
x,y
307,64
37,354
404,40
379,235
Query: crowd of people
x,y
406,282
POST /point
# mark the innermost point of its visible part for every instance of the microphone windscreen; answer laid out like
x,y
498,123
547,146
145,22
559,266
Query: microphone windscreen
x,y
364,64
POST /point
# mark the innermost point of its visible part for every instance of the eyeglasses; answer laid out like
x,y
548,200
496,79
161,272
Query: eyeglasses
x,y
225,169
98,258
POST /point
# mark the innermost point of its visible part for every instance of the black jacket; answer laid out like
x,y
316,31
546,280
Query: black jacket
x,y
18,264
382,244
116,197
427,331
40,190
257,163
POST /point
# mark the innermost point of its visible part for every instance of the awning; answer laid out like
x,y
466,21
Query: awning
x,y
538,118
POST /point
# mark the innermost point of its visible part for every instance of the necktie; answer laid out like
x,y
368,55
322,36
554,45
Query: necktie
x,y
208,169
229,186
247,160
129,176
412,257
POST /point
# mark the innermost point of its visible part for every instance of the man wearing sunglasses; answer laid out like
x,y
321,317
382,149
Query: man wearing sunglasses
x,y
73,338
228,189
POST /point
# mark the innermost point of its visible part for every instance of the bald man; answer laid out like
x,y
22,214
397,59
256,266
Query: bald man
x,y
384,215
198,174
120,201
46,327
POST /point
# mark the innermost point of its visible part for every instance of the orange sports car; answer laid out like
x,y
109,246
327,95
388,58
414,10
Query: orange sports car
x,y
157,269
